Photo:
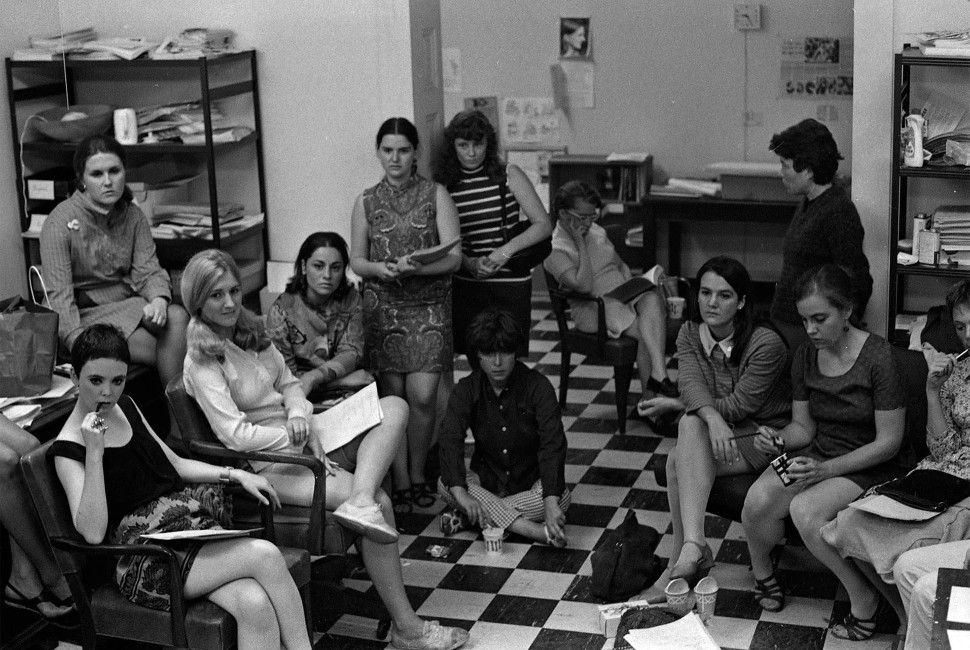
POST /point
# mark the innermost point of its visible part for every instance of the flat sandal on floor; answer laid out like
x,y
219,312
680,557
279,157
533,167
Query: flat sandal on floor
x,y
850,628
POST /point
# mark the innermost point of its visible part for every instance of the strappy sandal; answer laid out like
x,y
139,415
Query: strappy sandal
x,y
68,619
771,598
422,496
851,628
401,501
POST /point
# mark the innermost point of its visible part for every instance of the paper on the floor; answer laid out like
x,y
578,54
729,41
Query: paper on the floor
x,y
959,610
686,633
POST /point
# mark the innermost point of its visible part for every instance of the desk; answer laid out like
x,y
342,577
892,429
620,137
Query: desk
x,y
946,580
676,210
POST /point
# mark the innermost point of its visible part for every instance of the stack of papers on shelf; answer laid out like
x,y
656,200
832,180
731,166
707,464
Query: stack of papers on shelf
x,y
48,47
632,156
175,121
953,224
196,214
227,134
176,231
947,42
196,43
705,188
114,48
670,190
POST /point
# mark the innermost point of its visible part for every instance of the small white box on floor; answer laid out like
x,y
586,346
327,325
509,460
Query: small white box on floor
x,y
610,615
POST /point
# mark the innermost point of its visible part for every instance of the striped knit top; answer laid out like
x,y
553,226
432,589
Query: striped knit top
x,y
479,204
761,383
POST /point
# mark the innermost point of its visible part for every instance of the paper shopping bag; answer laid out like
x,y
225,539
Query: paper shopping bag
x,y
28,347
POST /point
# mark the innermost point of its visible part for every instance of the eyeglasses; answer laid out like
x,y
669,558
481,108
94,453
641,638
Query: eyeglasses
x,y
585,216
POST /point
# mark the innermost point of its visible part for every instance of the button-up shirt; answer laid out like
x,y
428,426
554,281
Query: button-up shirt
x,y
518,434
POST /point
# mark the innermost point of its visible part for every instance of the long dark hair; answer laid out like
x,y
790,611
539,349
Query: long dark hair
x,y
92,146
398,126
474,126
745,320
297,283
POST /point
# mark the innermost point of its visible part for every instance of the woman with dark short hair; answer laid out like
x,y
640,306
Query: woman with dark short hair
x,y
826,228
517,475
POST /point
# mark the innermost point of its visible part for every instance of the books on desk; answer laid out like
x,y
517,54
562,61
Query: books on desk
x,y
704,188
638,285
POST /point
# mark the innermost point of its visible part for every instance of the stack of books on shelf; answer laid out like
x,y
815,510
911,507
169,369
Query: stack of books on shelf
x,y
196,43
948,42
196,214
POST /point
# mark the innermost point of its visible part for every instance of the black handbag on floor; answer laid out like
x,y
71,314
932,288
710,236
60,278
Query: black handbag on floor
x,y
625,562
926,489
528,258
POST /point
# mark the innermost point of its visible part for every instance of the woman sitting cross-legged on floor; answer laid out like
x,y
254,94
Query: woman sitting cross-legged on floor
x,y
876,542
122,481
848,409
733,377
253,402
517,475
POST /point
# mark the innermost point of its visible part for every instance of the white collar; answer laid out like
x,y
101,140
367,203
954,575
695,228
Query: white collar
x,y
708,341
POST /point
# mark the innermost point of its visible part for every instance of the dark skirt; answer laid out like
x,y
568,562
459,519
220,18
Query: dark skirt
x,y
470,297
143,579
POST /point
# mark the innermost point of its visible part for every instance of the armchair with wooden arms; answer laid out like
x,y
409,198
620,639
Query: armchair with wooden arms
x,y
621,353
104,611
310,527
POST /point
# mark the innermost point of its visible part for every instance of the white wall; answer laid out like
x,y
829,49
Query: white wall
x,y
881,30
669,76
34,17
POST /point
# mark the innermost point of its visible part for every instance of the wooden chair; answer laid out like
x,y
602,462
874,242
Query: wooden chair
x,y
310,527
620,353
103,610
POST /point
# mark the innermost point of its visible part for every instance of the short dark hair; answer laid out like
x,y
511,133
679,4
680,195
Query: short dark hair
x,y
99,341
809,144
958,294
572,193
474,126
297,283
494,330
398,126
830,281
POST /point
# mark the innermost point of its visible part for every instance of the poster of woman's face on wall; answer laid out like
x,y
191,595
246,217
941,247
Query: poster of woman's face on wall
x,y
575,40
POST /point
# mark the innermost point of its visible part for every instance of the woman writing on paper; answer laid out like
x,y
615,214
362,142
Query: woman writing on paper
x,y
100,264
253,402
848,415
122,481
317,322
734,377
902,552
407,305
583,259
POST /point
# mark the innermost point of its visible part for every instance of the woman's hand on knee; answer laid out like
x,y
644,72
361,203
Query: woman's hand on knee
x,y
723,447
258,486
298,430
155,313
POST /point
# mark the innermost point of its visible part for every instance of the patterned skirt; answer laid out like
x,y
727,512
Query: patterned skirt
x,y
143,579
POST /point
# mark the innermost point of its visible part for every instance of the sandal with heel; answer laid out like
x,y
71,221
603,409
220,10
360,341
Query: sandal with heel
x,y
401,501
694,571
850,628
771,597
422,496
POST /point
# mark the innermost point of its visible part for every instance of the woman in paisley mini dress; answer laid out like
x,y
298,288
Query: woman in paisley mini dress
x,y
407,305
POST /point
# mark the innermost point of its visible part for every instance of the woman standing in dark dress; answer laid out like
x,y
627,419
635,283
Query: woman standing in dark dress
x,y
826,228
407,305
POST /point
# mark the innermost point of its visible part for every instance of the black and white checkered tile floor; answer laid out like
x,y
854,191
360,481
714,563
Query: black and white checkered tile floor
x,y
535,597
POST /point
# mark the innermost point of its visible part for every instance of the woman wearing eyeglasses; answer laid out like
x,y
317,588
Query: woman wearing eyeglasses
x,y
583,259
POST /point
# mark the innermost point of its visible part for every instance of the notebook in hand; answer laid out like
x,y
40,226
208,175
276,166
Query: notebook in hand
x,y
638,285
